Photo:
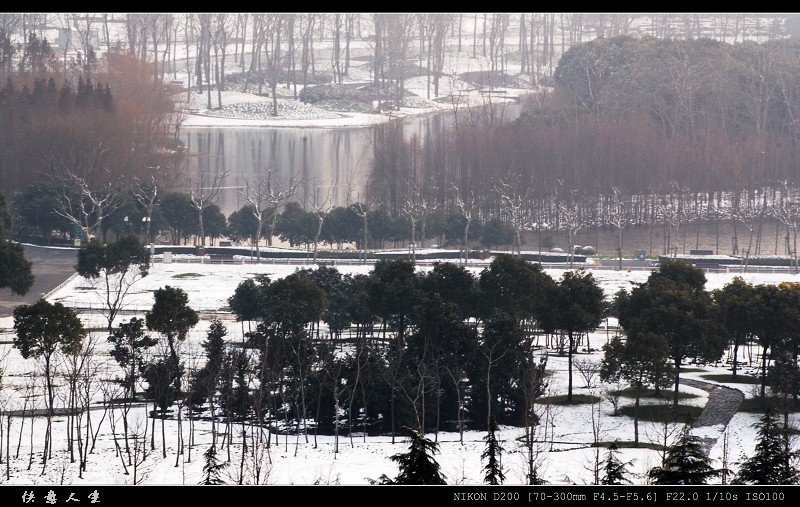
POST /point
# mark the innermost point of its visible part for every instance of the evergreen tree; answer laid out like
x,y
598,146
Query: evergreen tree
x,y
417,466
173,317
492,453
673,304
641,360
42,329
575,306
686,463
206,381
535,480
771,463
614,468
16,272
129,343
212,468
248,300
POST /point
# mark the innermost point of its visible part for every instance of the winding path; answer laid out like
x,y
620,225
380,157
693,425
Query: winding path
x,y
723,403
51,267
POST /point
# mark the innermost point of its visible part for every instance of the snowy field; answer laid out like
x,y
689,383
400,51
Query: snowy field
x,y
566,454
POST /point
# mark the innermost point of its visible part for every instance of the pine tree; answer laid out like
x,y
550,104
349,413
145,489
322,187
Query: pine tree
x,y
534,479
212,468
771,463
615,469
492,453
417,466
207,379
685,463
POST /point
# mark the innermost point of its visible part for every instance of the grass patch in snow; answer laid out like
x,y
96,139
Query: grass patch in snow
x,y
561,399
184,276
730,379
666,394
666,412
759,405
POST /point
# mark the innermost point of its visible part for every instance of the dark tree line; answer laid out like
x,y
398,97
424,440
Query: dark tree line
x,y
415,341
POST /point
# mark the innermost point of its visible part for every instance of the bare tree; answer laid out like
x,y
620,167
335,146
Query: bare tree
x,y
147,188
273,192
159,30
362,209
274,56
221,30
569,214
417,206
257,42
588,370
141,452
85,26
512,204
435,28
750,216
202,192
337,52
203,56
74,364
322,206
467,205
97,188
787,211
672,209
256,195
306,28
618,216
613,393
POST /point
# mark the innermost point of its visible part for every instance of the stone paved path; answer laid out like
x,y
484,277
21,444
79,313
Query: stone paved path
x,y
723,403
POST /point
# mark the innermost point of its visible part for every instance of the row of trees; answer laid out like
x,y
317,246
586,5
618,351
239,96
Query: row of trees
x,y
434,333
629,133
37,212
269,49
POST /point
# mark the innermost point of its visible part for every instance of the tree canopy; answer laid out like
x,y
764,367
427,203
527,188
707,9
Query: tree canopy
x,y
16,272
673,304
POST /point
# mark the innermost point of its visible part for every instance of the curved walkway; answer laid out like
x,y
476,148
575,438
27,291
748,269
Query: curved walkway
x,y
723,403
51,267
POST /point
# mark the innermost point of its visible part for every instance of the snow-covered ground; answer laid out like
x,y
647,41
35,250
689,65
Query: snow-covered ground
x,y
566,453
252,109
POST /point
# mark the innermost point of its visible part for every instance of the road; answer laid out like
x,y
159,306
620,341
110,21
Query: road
x,y
51,266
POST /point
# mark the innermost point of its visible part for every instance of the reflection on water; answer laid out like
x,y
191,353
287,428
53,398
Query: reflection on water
x,y
320,157
339,157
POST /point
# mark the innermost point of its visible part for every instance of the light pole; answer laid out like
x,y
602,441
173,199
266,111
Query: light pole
x,y
146,223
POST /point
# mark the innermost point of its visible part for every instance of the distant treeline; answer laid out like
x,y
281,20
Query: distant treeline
x,y
667,129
